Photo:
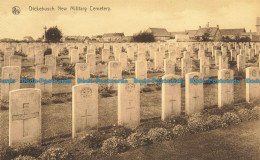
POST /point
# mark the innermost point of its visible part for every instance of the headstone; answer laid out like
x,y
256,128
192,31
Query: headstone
x,y
74,57
114,73
129,104
123,60
10,73
194,94
15,61
140,70
43,73
82,71
223,62
84,108
25,117
105,55
50,60
171,97
241,62
39,57
185,66
169,67
7,56
225,90
158,60
252,88
205,67
91,59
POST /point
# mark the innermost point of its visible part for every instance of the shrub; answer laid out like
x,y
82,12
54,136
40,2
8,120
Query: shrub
x,y
55,154
19,53
180,130
255,112
93,140
214,121
120,131
244,114
125,72
114,146
196,123
105,94
10,153
138,139
24,158
147,89
159,134
230,118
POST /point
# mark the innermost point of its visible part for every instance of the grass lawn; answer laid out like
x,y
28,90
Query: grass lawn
x,y
241,142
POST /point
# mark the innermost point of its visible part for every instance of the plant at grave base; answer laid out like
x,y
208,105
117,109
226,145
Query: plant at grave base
x,y
114,145
120,131
105,94
124,72
46,100
147,89
215,121
93,140
48,51
230,118
64,52
244,114
255,113
20,157
138,139
159,134
55,154
4,105
180,130
182,120
93,75
241,75
196,123
70,68
57,100
19,53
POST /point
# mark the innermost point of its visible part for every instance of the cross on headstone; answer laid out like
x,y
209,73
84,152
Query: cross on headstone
x,y
130,108
172,101
85,118
25,116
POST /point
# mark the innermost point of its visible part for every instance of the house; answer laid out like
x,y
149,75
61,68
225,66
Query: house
x,y
208,33
160,34
74,39
191,33
28,39
232,33
113,37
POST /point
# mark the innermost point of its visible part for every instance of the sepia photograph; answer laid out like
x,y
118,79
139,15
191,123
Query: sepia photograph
x,y
130,80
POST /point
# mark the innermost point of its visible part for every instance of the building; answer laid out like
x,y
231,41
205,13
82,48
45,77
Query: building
x,y
160,34
74,39
208,33
113,37
233,33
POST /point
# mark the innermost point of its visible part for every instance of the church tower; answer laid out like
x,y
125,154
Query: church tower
x,y
258,26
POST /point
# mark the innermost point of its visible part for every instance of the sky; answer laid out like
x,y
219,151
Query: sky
x,y
128,16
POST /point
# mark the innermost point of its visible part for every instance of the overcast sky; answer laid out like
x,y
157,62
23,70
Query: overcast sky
x,y
128,16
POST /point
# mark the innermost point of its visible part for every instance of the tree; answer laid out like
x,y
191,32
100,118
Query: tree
x,y
205,36
53,35
143,37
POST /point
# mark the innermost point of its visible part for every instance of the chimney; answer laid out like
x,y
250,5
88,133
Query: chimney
x,y
199,27
218,26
